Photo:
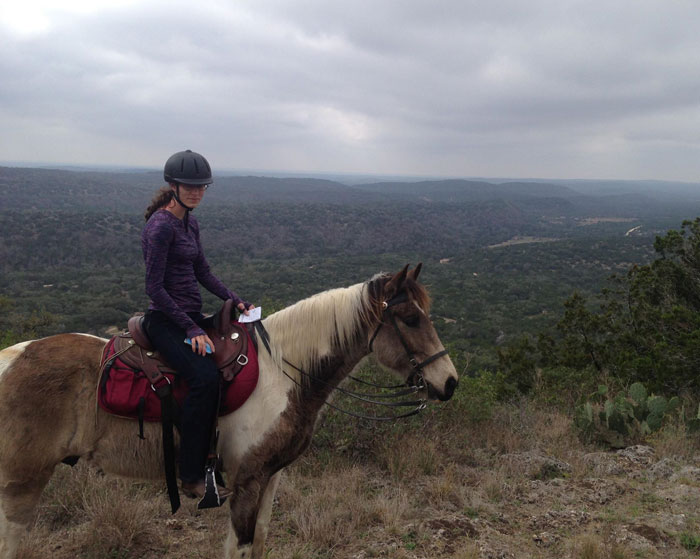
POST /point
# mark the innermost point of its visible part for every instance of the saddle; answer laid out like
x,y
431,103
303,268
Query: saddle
x,y
230,347
136,382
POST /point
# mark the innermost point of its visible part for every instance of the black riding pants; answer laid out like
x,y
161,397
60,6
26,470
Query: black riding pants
x,y
202,401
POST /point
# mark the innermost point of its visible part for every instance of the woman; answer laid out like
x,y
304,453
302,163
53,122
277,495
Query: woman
x,y
175,265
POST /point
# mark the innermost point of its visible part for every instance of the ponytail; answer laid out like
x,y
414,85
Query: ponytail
x,y
161,199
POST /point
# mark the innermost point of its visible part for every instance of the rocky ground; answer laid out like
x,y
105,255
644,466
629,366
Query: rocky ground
x,y
629,504
512,496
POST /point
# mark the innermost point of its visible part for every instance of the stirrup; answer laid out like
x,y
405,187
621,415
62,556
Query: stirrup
x,y
211,498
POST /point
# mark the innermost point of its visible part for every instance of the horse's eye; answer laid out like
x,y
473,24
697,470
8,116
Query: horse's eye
x,y
411,321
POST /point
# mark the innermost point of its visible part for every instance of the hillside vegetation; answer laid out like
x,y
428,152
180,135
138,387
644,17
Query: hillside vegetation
x,y
570,308
70,248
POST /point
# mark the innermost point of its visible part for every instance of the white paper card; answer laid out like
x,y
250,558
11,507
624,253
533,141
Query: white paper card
x,y
255,314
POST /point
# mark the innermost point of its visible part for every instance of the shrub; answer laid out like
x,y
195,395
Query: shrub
x,y
477,395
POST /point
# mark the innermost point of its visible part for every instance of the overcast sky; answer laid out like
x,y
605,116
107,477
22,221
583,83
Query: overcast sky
x,y
499,88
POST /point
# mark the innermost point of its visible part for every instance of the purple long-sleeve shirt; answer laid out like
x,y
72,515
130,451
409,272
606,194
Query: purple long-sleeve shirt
x,y
175,264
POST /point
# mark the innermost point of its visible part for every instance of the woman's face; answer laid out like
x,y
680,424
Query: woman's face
x,y
191,195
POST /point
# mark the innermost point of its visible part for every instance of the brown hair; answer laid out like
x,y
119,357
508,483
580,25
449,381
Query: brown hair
x,y
161,199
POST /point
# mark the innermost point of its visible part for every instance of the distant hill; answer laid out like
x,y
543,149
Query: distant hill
x,y
652,188
22,188
42,189
455,190
252,189
103,191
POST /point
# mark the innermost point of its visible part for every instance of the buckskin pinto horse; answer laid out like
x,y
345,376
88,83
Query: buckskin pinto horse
x,y
48,405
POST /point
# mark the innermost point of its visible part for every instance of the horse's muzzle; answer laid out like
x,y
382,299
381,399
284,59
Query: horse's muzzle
x,y
444,394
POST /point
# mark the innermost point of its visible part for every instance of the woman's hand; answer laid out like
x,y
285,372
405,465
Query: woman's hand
x,y
199,344
244,310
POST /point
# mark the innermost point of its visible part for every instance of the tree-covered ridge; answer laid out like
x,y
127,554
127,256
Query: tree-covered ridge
x,y
645,327
501,262
86,268
25,189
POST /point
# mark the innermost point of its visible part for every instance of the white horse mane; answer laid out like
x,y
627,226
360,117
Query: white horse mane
x,y
313,328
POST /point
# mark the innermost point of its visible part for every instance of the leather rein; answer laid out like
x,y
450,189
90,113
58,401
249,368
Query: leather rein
x,y
415,381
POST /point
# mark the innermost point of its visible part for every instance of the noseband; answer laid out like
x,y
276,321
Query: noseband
x,y
415,379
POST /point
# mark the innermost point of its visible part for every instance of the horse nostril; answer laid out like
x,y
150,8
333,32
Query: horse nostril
x,y
450,386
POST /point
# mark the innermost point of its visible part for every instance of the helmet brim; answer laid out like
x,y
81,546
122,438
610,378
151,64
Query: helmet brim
x,y
198,182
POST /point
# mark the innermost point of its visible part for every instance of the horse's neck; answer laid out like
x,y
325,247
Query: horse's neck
x,y
333,369
322,338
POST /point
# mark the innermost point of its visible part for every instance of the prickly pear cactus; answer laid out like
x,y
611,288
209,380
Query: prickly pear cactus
x,y
626,418
638,393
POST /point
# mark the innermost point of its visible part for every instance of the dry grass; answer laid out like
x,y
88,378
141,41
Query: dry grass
x,y
673,441
520,427
328,510
417,491
471,551
342,508
593,546
87,515
588,547
408,457
99,517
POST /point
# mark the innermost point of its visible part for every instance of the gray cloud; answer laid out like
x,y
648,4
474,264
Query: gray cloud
x,y
543,88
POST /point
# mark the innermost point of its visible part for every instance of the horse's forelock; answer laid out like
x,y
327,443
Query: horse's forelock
x,y
418,293
375,295
375,298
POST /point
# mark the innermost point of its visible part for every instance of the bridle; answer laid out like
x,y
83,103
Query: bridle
x,y
415,379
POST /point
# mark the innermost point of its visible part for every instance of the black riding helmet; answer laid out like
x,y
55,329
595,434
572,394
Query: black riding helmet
x,y
187,167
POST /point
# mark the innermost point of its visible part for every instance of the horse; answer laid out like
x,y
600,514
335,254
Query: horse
x,y
49,414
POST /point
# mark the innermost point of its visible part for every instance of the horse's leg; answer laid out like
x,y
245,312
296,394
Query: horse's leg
x,y
17,504
262,525
249,497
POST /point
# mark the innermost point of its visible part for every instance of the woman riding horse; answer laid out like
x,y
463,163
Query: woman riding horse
x,y
175,265
48,416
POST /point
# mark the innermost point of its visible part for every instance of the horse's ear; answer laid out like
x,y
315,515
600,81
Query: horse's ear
x,y
413,274
393,286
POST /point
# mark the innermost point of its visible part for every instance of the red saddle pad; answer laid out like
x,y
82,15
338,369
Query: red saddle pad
x,y
127,392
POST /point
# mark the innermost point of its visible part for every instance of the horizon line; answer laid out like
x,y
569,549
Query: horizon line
x,y
229,172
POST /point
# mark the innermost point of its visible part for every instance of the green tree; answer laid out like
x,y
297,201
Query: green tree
x,y
645,328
